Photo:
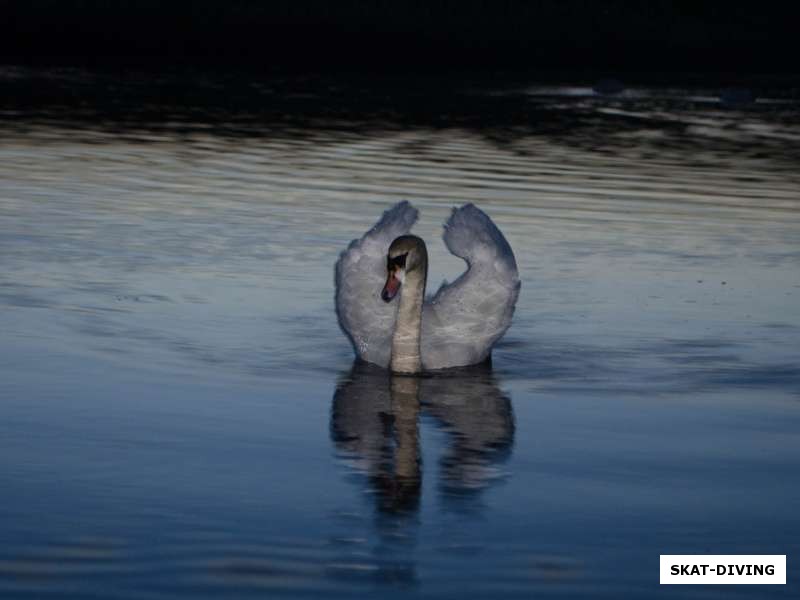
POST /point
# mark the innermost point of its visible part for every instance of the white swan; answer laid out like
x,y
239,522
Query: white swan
x,y
455,327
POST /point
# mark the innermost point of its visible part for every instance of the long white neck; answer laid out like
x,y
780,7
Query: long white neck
x,y
405,341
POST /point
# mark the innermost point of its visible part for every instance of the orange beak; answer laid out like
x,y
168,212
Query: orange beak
x,y
391,288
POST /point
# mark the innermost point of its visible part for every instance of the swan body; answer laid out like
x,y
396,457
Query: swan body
x,y
455,327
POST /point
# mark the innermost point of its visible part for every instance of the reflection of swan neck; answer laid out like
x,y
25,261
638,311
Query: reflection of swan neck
x,y
405,407
405,341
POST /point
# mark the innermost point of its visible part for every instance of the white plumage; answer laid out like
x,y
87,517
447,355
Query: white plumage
x,y
461,321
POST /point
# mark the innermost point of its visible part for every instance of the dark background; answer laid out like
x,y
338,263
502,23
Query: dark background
x,y
616,36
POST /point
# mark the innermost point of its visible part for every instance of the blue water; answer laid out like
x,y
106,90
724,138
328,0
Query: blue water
x,y
180,415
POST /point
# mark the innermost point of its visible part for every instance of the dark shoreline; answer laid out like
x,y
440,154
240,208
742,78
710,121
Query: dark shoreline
x,y
619,37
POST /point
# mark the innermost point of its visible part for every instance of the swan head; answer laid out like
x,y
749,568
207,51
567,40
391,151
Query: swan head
x,y
407,254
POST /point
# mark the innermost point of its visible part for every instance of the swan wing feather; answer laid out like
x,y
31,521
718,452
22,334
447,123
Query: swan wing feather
x,y
463,319
360,274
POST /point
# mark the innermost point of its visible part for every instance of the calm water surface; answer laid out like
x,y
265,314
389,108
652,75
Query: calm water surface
x,y
180,414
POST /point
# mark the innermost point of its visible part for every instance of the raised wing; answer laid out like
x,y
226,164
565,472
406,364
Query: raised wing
x,y
360,274
462,321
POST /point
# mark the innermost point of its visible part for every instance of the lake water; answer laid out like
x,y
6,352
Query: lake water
x,y
180,415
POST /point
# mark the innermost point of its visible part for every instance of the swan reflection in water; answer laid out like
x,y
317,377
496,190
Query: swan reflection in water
x,y
375,426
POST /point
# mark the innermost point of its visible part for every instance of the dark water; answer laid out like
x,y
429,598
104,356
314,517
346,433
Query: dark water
x,y
180,415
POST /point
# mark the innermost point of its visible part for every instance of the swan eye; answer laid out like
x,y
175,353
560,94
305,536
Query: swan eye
x,y
397,261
